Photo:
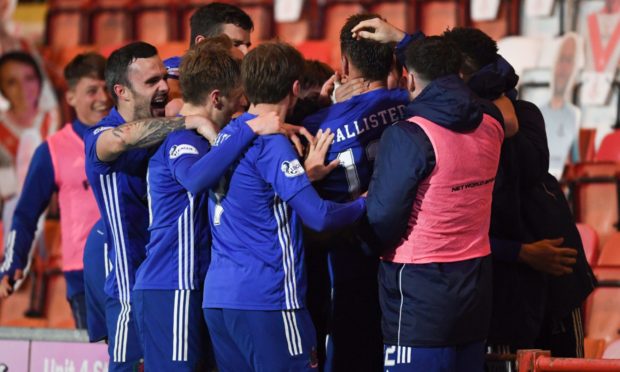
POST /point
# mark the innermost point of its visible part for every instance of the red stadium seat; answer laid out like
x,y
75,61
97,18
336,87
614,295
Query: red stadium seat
x,y
111,26
106,50
66,27
610,148
595,196
586,144
55,4
172,49
589,239
399,13
507,22
434,17
262,16
155,24
602,316
610,253
336,15
320,50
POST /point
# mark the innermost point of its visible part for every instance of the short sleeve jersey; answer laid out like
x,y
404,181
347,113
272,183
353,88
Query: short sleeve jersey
x,y
257,253
177,255
357,125
119,187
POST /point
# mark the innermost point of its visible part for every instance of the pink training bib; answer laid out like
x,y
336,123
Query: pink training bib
x,y
452,210
78,208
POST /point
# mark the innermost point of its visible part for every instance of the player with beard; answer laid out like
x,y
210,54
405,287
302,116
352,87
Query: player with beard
x,y
116,159
117,155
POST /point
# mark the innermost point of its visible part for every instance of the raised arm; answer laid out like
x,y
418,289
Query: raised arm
x,y
148,132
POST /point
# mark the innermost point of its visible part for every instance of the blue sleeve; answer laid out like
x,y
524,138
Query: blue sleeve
x,y
198,173
90,147
505,250
278,165
132,162
405,158
402,45
34,199
320,215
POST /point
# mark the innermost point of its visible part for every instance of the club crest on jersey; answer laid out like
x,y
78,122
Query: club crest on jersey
x,y
101,129
178,150
292,168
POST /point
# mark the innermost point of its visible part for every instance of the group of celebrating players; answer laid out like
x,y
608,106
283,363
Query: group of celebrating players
x,y
354,238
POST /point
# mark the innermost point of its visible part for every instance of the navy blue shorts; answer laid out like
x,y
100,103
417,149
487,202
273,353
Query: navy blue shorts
x,y
466,358
269,341
95,267
124,347
173,331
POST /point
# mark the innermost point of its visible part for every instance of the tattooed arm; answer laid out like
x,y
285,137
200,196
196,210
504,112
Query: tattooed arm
x,y
146,133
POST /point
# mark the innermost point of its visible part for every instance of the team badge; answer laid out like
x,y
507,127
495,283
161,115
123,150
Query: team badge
x,y
292,168
101,129
178,150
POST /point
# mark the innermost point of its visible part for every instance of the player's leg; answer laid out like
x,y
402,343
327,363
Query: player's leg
x,y
470,357
124,347
355,340
274,340
95,266
563,337
78,309
228,356
318,297
173,333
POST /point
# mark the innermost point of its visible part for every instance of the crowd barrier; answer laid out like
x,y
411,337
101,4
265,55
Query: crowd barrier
x,y
50,350
541,361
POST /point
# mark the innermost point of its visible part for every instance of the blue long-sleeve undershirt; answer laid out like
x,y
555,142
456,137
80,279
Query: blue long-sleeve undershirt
x,y
39,186
34,199
320,215
200,175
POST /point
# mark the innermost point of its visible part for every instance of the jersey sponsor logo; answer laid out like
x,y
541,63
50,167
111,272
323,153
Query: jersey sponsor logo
x,y
292,168
178,150
101,129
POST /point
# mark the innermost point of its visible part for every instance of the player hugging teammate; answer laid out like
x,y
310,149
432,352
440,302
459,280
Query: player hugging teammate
x,y
344,241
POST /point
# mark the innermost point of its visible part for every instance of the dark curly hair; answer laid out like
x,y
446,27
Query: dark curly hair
x,y
433,57
372,58
477,48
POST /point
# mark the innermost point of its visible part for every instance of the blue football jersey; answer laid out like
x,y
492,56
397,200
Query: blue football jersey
x,y
257,254
357,125
120,190
177,255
